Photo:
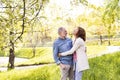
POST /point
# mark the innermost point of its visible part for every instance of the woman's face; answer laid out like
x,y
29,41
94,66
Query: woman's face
x,y
75,31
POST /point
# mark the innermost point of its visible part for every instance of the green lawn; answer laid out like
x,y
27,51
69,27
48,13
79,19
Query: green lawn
x,y
45,55
27,52
44,51
106,67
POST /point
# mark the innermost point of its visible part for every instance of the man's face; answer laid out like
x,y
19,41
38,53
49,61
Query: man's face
x,y
63,33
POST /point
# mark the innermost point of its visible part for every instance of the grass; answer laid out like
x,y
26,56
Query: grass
x,y
42,51
27,52
42,73
106,67
45,55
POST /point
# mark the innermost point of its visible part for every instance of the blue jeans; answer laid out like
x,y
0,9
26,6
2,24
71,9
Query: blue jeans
x,y
77,74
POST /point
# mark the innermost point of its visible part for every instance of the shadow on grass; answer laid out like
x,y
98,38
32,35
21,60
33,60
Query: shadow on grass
x,y
21,65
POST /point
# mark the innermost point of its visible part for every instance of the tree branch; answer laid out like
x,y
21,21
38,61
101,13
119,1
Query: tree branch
x,y
9,6
41,5
23,21
33,3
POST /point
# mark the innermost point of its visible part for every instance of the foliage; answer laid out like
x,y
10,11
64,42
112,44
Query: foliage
x,y
110,16
94,19
15,16
2,53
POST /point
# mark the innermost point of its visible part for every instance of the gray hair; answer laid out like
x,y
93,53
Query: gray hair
x,y
60,29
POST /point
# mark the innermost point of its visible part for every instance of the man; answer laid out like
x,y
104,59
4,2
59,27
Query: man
x,y
60,45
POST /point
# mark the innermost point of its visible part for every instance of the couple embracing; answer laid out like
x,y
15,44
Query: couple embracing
x,y
71,55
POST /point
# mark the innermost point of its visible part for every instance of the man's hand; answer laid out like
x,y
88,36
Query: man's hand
x,y
86,49
62,66
59,55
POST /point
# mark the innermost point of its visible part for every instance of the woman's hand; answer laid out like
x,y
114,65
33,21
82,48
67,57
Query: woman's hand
x,y
59,55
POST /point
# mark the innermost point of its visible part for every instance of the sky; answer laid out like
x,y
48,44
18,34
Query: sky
x,y
77,10
96,2
66,6
66,2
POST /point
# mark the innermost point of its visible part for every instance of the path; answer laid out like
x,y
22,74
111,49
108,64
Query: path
x,y
110,50
4,60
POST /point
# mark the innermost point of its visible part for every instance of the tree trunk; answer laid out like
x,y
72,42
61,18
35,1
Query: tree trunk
x,y
11,52
11,57
109,42
34,51
109,35
101,40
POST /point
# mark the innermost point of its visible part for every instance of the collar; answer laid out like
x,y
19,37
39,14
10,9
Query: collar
x,y
61,38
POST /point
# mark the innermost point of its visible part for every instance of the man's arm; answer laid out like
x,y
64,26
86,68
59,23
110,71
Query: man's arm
x,y
55,53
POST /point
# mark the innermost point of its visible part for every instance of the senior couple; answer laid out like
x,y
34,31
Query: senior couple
x,y
71,55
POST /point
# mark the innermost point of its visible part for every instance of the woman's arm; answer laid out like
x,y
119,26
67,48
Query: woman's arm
x,y
73,49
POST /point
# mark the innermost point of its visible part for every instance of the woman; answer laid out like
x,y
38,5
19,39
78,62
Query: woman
x,y
79,53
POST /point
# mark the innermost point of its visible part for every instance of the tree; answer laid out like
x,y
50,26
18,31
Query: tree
x,y
15,17
110,16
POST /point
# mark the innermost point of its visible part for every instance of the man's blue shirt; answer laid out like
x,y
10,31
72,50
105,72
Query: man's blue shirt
x,y
61,45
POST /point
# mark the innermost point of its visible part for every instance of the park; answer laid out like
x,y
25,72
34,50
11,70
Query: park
x,y
28,29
